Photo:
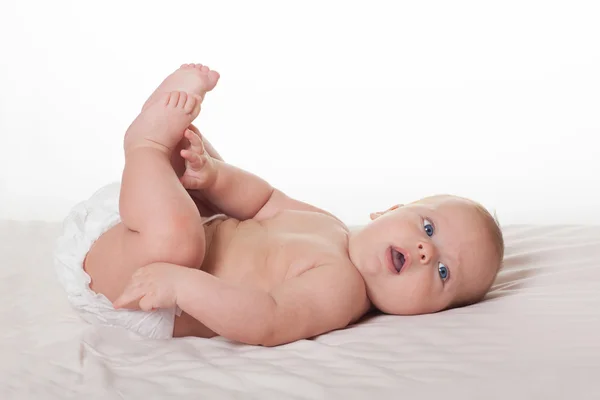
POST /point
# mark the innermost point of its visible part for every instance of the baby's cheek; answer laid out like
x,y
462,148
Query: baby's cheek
x,y
425,287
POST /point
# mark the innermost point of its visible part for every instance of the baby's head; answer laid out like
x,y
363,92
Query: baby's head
x,y
436,253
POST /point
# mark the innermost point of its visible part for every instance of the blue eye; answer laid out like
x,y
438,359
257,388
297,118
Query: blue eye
x,y
428,226
443,271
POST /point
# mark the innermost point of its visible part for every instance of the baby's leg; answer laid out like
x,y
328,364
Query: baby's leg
x,y
197,79
151,195
159,220
190,78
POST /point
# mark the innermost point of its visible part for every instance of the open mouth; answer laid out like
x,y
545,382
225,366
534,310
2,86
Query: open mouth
x,y
398,259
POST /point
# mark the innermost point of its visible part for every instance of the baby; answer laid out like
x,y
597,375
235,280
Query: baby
x,y
269,269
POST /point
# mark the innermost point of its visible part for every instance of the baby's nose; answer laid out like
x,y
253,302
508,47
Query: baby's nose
x,y
426,252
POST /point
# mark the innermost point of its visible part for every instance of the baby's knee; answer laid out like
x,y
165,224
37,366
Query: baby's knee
x,y
182,244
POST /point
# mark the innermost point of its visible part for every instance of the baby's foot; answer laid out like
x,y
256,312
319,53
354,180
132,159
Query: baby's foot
x,y
191,78
200,167
162,123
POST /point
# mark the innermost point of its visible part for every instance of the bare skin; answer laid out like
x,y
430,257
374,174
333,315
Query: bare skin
x,y
129,245
197,79
277,270
189,78
147,211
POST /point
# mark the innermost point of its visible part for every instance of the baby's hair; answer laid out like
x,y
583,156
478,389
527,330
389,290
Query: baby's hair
x,y
495,231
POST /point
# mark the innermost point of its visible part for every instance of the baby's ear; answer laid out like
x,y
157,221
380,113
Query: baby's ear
x,y
380,213
394,207
376,215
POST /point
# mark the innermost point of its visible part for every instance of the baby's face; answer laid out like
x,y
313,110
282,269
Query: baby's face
x,y
422,257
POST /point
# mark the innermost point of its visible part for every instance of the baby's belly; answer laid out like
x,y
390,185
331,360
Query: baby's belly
x,y
235,252
240,253
247,254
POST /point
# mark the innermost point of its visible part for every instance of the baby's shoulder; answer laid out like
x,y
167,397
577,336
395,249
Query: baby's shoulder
x,y
340,271
334,284
345,280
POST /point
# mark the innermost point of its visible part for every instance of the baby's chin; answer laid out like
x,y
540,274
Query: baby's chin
x,y
405,306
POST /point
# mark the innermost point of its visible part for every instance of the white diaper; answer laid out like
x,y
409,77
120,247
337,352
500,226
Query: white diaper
x,y
86,222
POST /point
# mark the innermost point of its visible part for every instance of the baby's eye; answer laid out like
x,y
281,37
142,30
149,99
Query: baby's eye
x,y
428,226
443,271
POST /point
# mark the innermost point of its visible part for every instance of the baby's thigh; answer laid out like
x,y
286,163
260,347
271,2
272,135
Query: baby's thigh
x,y
119,252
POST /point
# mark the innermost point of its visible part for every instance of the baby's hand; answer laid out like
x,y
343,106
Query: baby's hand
x,y
200,167
151,287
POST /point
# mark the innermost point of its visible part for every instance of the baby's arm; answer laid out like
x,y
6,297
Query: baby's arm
x,y
238,193
235,192
322,299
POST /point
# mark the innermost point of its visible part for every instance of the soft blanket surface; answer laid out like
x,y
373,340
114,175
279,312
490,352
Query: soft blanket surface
x,y
537,335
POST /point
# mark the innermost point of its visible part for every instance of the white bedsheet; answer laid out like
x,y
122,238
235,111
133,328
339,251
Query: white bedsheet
x,y
537,336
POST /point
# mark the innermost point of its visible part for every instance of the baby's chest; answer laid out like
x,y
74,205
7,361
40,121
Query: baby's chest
x,y
264,260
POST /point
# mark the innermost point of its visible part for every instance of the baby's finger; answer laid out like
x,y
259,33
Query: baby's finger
x,y
147,302
128,299
198,163
190,182
187,182
132,305
189,155
192,137
197,144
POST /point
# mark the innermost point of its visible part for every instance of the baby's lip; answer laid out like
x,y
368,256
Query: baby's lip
x,y
397,259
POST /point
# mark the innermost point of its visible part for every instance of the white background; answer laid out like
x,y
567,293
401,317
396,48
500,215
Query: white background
x,y
352,106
